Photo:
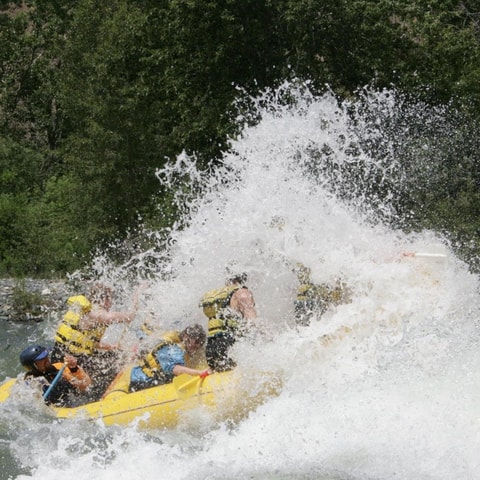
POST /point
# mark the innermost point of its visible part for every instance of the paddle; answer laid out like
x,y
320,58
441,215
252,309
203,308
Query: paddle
x,y
5,389
190,387
54,382
430,255
435,257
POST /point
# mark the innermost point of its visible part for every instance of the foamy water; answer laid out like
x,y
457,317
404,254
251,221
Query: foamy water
x,y
383,387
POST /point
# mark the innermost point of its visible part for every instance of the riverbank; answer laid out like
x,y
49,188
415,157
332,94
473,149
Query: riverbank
x,y
31,299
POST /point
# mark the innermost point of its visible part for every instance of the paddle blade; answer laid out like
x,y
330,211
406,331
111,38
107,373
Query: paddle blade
x,y
6,388
187,385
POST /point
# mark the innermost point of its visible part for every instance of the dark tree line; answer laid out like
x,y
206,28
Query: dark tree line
x,y
94,96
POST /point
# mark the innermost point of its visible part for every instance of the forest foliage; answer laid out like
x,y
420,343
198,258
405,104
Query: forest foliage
x,y
96,96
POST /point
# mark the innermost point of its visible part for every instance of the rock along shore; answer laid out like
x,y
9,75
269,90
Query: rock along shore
x,y
31,299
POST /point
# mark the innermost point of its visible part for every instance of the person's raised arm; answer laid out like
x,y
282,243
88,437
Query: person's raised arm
x,y
104,317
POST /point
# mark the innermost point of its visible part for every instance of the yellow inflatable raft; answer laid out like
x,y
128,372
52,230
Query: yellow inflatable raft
x,y
224,396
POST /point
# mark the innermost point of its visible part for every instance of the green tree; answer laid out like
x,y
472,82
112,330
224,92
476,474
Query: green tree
x,y
95,96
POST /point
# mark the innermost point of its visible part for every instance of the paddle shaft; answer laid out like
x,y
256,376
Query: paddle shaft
x,y
430,255
196,379
58,376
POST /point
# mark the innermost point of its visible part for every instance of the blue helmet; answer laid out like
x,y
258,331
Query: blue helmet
x,y
31,354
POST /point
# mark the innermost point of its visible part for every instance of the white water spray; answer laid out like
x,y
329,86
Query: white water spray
x,y
382,387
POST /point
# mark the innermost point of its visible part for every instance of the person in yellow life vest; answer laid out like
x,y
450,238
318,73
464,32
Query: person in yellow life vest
x,y
68,389
313,299
81,330
177,353
229,310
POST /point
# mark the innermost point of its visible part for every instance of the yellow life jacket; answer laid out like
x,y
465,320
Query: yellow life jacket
x,y
150,365
321,295
78,342
215,306
308,291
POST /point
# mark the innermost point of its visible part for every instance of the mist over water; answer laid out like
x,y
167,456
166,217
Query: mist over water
x,y
385,386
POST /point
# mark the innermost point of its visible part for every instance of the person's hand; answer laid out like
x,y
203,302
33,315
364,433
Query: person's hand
x,y
205,373
70,361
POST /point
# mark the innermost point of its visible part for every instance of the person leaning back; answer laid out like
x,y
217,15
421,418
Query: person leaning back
x,y
229,310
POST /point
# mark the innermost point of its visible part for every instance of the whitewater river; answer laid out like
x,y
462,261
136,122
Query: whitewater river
x,y
385,386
